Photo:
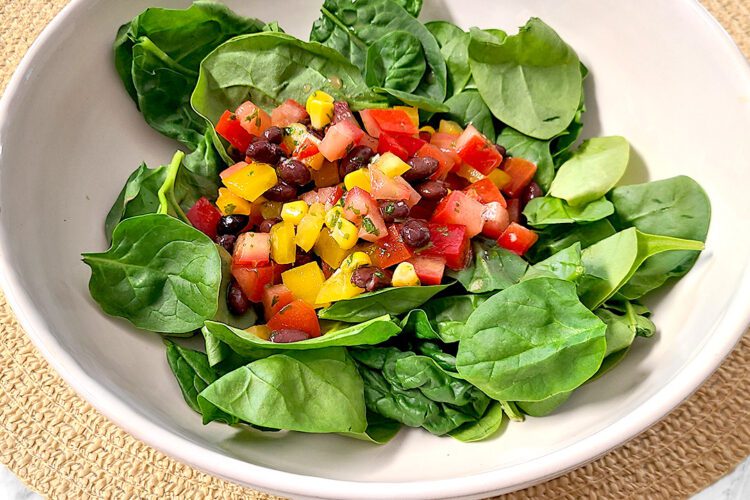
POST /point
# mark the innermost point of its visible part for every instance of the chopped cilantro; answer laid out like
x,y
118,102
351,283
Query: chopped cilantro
x,y
369,226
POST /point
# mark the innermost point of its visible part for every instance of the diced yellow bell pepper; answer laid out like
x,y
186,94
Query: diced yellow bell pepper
x,y
354,261
294,211
251,181
405,275
304,281
308,231
412,112
314,162
283,249
229,203
294,134
391,165
270,209
327,175
499,178
320,108
338,287
450,127
344,232
317,209
327,249
469,173
260,331
359,178
428,129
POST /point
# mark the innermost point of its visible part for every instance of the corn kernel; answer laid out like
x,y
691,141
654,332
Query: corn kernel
x,y
304,281
333,216
499,178
308,231
317,209
391,165
354,261
450,127
412,112
359,178
283,249
328,250
251,181
294,211
320,108
405,275
428,129
229,203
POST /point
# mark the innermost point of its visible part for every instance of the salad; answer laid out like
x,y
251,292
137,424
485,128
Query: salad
x,y
392,224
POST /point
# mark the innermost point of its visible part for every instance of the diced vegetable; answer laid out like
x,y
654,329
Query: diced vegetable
x,y
329,250
517,238
477,151
412,112
269,209
443,140
486,191
326,175
449,127
340,139
328,196
283,248
496,219
394,121
274,298
355,261
308,231
391,165
361,209
229,203
251,181
499,178
360,178
469,173
304,281
390,250
253,280
288,112
252,118
230,129
386,188
232,170
429,269
297,315
448,241
294,211
444,160
320,108
387,144
204,216
410,143
458,208
521,174
338,287
252,249
405,275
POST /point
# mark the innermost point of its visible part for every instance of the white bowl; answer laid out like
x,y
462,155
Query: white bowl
x,y
664,74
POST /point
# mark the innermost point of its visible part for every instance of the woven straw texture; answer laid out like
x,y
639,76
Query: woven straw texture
x,y
61,447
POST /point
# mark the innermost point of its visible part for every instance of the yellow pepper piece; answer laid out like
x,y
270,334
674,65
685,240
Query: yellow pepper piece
x,y
229,203
338,287
283,249
354,261
294,134
359,178
405,275
428,129
270,209
314,162
328,250
251,181
499,178
308,231
260,331
344,232
304,281
317,209
450,127
294,211
391,165
469,173
412,112
320,108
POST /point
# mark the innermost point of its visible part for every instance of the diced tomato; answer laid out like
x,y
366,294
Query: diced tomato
x,y
204,216
310,197
517,238
486,192
477,151
444,160
388,144
359,205
383,187
252,249
521,174
252,118
514,210
458,208
443,140
230,129
391,250
429,269
274,298
369,141
253,280
394,121
339,139
342,112
233,169
410,143
297,315
413,196
328,196
496,219
450,242
309,146
288,112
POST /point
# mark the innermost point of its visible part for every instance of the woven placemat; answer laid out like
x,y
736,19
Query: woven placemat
x,y
61,447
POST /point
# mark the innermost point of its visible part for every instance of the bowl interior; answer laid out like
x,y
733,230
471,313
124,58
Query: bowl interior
x,y
668,80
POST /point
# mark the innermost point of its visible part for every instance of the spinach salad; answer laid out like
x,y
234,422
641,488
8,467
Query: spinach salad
x,y
391,224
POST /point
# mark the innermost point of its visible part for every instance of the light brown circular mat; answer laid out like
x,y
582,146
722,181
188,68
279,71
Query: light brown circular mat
x,y
61,447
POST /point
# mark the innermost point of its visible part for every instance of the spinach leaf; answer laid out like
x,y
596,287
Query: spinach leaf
x,y
676,207
352,26
560,145
413,7
379,430
592,171
611,262
546,210
565,264
168,204
307,391
138,197
468,107
544,407
274,27
442,318
493,268
160,274
531,341
393,301
223,315
444,360
556,238
423,103
485,427
531,81
395,61
454,46
623,328
370,332
537,151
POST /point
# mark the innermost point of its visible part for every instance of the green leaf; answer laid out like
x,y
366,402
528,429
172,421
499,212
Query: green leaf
x,y
485,427
392,300
592,171
556,238
380,430
395,61
413,7
160,274
493,268
537,151
531,341
565,264
417,101
531,81
468,107
168,204
442,318
544,407
454,46
307,391
545,210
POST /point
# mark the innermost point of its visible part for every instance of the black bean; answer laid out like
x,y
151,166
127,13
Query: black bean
x,y
371,278
415,233
281,192
267,224
357,158
235,154
529,193
274,135
288,335
301,258
293,172
237,303
264,152
227,241
232,224
393,210
501,149
432,190
421,168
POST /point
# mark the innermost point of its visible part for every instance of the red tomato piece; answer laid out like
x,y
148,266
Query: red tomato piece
x,y
388,144
514,210
496,219
252,249
486,192
383,187
410,143
477,151
444,140
274,298
328,196
371,125
297,315
369,141
230,129
358,206
310,146
339,139
517,239
252,118
288,112
521,174
204,216
450,242
458,208
390,250
446,163
429,269
231,170
253,280
394,121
